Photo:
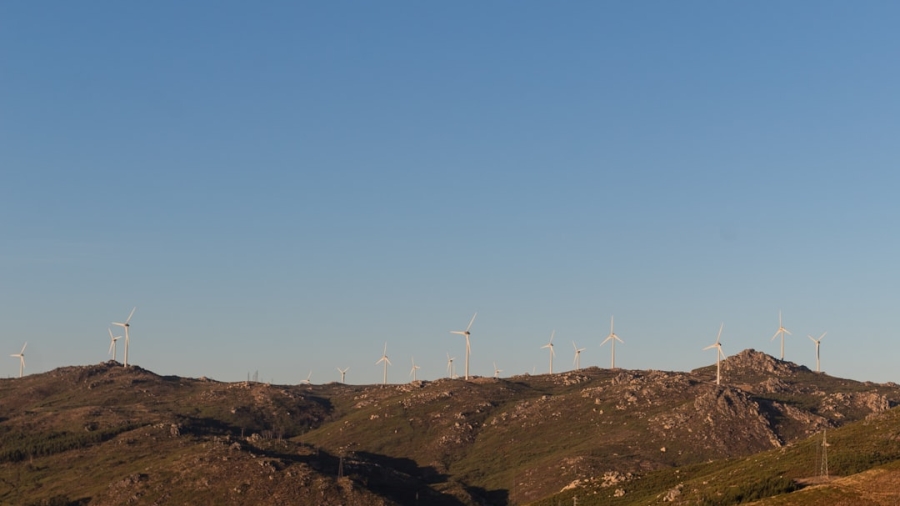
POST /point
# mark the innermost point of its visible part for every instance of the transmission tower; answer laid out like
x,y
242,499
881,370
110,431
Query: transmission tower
x,y
823,468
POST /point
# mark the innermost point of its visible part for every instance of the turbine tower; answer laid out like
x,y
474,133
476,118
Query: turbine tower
x,y
126,325
497,371
21,357
612,337
550,347
415,368
818,342
343,373
450,366
468,347
718,346
386,361
577,360
781,330
112,344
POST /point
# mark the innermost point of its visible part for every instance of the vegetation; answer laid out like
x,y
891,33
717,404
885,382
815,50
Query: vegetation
x,y
107,435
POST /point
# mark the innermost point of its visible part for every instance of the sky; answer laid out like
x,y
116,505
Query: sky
x,y
281,189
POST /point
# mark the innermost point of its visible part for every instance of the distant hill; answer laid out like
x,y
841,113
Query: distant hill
x,y
105,435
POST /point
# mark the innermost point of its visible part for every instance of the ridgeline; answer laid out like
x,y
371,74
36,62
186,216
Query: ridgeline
x,y
109,435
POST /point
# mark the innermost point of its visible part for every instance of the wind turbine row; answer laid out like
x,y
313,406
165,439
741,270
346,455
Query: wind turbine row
x,y
781,331
126,325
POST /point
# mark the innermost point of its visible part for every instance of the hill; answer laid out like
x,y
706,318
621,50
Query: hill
x,y
105,434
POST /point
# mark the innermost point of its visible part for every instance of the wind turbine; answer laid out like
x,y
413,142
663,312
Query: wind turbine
x,y
450,365
467,334
818,342
577,360
21,357
497,371
343,373
550,347
387,362
612,337
718,346
781,330
126,325
414,368
112,344
306,381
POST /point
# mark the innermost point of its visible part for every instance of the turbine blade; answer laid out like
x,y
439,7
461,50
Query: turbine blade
x,y
788,332
776,335
823,335
130,315
720,331
471,321
23,348
709,347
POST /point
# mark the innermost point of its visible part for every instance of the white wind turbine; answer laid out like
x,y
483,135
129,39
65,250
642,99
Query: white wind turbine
x,y
719,354
550,347
818,342
577,360
497,371
415,368
112,344
343,373
306,381
781,330
467,334
613,338
21,357
450,365
126,325
387,362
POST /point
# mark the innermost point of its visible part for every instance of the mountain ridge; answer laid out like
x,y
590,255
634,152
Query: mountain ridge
x,y
484,441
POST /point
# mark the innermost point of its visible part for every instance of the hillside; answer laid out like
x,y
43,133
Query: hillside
x,y
104,434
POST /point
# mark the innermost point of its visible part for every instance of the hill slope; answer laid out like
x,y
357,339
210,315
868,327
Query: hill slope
x,y
108,435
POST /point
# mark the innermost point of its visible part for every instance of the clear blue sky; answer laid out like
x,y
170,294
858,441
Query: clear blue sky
x,y
283,188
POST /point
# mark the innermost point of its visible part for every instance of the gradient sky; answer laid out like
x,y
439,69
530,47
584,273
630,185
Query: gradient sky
x,y
284,188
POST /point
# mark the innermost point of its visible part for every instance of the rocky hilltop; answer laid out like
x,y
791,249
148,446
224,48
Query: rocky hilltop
x,y
105,434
